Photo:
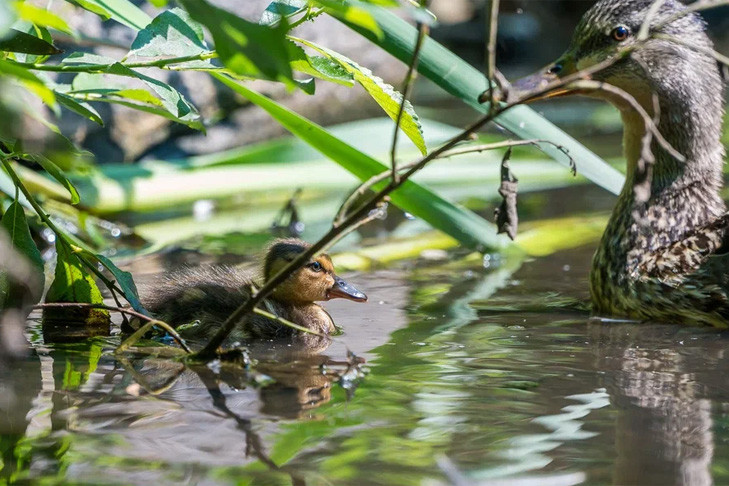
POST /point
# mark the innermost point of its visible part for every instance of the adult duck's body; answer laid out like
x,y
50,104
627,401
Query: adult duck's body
x,y
662,257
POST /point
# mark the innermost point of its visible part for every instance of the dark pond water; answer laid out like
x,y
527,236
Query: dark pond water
x,y
476,375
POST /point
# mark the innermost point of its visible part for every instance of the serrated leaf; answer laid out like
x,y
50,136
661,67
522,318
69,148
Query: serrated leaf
x,y
171,34
57,174
19,41
72,283
463,225
280,9
16,225
42,17
79,107
240,43
384,95
319,66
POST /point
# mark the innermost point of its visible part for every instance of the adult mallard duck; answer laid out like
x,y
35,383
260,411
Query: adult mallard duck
x,y
663,258
207,295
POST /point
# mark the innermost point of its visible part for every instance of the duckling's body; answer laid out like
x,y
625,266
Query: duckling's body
x,y
206,296
662,255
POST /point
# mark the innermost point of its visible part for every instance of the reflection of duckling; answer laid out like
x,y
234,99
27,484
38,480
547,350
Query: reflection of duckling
x,y
211,294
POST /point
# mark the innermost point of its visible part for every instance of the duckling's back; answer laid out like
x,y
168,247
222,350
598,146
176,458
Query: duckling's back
x,y
208,294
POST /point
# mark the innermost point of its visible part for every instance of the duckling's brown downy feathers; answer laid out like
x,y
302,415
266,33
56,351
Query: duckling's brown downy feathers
x,y
208,295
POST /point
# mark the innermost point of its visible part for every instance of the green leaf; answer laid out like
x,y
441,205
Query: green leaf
x,y
352,13
72,283
92,7
16,225
385,95
177,107
463,81
246,48
19,41
124,280
29,80
57,174
319,66
42,17
171,34
79,107
123,11
463,225
280,9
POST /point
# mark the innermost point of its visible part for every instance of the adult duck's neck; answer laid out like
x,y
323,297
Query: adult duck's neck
x,y
684,195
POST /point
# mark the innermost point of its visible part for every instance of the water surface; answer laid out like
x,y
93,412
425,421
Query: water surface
x,y
475,375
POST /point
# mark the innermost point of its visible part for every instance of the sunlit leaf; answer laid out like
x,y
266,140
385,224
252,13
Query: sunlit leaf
x,y
321,67
29,80
123,11
72,283
385,95
240,43
463,225
19,41
177,106
42,17
280,9
171,34
92,7
352,13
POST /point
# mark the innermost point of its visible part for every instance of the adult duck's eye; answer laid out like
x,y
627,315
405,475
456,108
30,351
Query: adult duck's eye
x,y
620,33
316,266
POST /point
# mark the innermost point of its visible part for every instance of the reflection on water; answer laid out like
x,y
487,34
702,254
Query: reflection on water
x,y
475,377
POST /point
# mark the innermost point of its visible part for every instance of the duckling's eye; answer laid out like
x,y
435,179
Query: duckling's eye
x,y
620,33
316,266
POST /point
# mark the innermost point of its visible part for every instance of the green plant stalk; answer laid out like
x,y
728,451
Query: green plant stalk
x,y
463,81
47,220
97,68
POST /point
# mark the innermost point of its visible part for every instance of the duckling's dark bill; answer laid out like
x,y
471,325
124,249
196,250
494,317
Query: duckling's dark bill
x,y
343,290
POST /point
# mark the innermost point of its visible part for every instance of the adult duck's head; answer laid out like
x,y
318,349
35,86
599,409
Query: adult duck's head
x,y
315,281
674,57
672,65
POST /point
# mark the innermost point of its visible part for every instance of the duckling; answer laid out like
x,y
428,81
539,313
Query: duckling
x,y
664,258
210,294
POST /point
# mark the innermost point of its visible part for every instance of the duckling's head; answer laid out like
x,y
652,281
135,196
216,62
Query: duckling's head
x,y
674,60
315,281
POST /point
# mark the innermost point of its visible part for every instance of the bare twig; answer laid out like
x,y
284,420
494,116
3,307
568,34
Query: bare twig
x,y
407,89
694,7
492,21
150,322
649,124
644,165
